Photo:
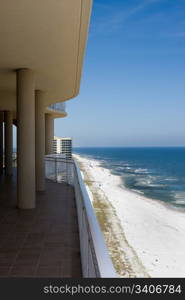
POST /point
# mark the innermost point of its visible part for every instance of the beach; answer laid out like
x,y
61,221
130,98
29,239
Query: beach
x,y
152,233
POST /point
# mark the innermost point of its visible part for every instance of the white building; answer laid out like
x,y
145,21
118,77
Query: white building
x,y
63,146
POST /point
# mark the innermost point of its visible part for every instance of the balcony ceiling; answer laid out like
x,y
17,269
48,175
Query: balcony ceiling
x,y
48,36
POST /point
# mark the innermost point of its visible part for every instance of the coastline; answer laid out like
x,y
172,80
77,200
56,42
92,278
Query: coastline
x,y
148,236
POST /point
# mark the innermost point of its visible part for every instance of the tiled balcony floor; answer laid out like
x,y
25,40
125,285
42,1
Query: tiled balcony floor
x,y
42,242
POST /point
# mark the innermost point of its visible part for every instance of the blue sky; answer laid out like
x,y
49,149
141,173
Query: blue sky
x,y
133,84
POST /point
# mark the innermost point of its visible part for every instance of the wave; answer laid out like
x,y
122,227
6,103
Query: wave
x,y
129,169
141,171
154,180
181,202
137,191
171,179
179,197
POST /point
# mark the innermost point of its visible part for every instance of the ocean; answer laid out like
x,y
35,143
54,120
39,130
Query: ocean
x,y
157,173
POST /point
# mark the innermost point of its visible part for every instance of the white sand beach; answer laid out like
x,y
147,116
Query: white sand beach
x,y
155,231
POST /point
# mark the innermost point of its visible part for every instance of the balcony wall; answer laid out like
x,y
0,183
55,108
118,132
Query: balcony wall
x,y
57,109
95,258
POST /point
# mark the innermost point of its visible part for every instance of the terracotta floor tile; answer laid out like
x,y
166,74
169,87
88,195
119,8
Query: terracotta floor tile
x,y
48,272
4,271
42,242
22,271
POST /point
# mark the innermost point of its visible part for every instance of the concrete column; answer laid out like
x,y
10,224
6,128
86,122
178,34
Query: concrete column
x,y
39,141
49,129
1,141
8,118
25,139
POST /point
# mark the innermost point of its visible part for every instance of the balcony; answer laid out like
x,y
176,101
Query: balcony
x,y
60,237
58,110
95,258
42,242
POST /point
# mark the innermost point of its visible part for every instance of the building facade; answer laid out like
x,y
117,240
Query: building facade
x,y
40,68
42,49
63,146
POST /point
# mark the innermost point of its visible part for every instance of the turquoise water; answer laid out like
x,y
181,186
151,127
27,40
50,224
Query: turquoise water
x,y
157,173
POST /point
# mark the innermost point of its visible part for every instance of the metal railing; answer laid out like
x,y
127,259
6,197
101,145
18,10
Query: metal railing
x,y
95,258
14,159
58,168
61,106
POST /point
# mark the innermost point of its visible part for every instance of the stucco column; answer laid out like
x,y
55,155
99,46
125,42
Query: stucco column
x,y
39,140
1,141
49,130
25,139
8,118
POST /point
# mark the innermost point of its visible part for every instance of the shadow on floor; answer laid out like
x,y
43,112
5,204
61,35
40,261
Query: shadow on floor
x,y
43,242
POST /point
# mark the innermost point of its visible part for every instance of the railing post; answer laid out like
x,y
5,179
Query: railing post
x,y
55,170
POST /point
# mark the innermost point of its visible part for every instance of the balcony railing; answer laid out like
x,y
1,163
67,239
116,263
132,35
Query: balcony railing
x,y
58,107
94,254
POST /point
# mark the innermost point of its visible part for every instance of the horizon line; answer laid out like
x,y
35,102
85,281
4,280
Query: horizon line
x,y
183,146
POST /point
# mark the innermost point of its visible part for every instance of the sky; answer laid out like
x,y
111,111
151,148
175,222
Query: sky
x,y
133,83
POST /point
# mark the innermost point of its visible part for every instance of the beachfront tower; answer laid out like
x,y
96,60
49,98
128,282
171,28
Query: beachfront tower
x,y
63,145
66,147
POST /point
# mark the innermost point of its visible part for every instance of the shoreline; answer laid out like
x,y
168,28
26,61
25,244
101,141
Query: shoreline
x,y
154,232
163,203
